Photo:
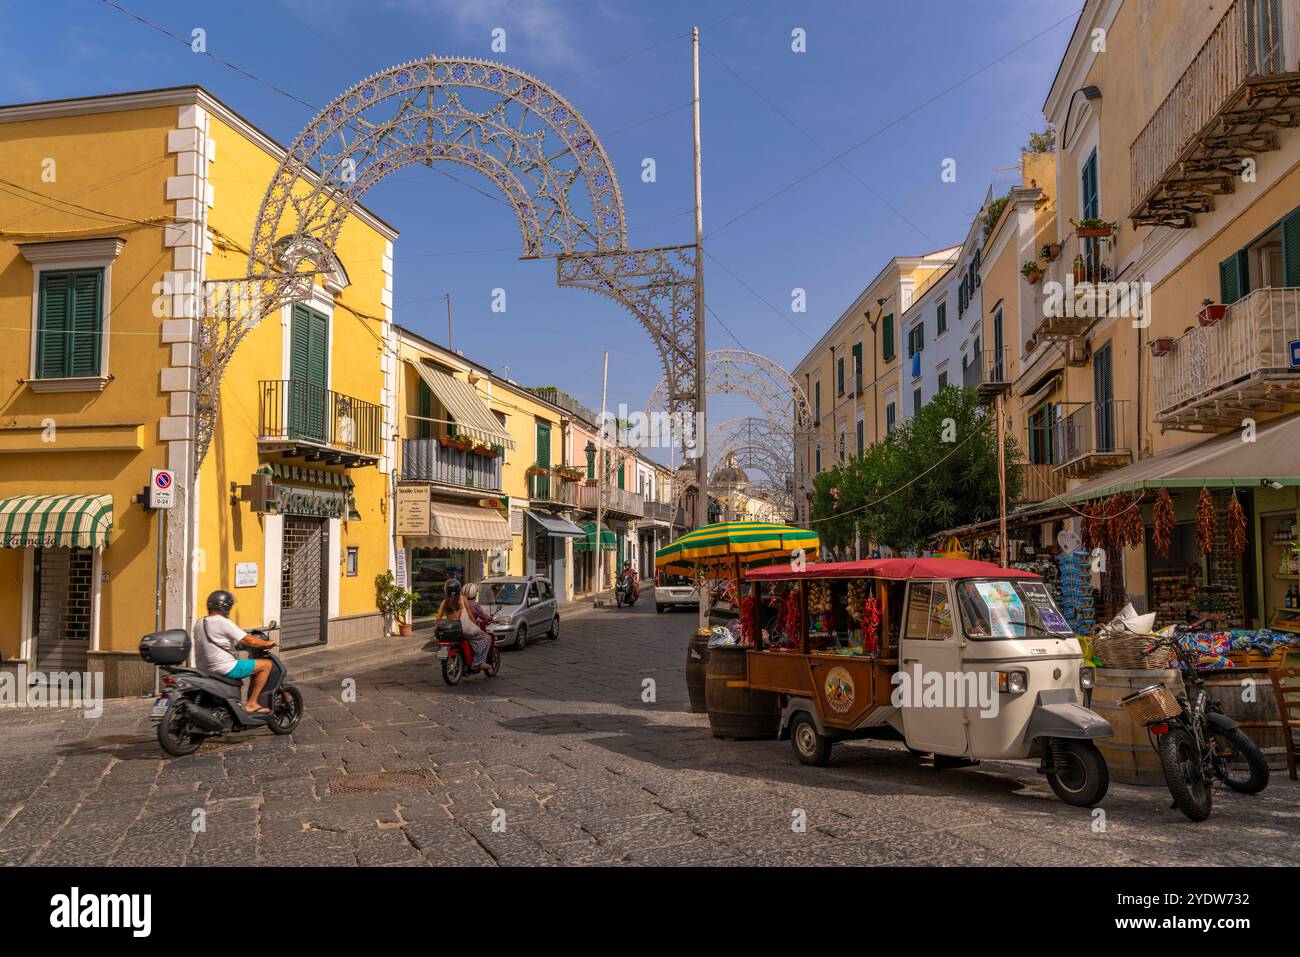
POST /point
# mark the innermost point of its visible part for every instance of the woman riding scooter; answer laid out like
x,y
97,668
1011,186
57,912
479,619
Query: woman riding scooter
x,y
473,621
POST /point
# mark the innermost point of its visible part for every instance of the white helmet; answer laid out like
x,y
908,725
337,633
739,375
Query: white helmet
x,y
470,591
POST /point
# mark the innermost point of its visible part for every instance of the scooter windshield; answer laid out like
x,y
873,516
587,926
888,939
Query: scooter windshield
x,y
1009,609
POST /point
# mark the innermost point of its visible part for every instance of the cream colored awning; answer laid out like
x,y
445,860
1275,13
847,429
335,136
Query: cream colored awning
x,y
471,527
471,416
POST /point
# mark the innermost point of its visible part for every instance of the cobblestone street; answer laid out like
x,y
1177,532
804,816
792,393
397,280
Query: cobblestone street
x,y
584,771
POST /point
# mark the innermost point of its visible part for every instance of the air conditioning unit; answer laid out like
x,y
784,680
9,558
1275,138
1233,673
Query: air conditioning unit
x,y
1077,352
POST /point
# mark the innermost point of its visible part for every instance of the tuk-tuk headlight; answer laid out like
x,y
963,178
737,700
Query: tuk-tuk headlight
x,y
1013,682
1087,678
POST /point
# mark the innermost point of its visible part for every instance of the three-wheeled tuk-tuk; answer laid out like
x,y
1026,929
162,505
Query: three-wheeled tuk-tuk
x,y
964,660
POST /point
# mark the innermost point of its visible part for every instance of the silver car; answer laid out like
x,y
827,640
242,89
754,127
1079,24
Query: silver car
x,y
521,606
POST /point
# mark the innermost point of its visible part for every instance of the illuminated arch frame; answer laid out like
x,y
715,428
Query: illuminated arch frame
x,y
526,138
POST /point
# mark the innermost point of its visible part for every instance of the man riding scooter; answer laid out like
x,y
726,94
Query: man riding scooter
x,y
217,638
628,577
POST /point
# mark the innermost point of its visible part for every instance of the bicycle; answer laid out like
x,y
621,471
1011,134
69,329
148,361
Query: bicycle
x,y
1195,740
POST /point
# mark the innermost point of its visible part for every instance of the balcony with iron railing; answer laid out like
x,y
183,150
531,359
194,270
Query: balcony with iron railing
x,y
1235,97
300,419
430,460
1092,438
988,373
1245,363
619,501
1077,288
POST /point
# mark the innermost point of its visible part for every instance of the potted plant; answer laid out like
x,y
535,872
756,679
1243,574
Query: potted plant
x,y
1092,227
1050,251
1211,312
394,601
1031,271
1031,344
1080,269
1162,345
536,469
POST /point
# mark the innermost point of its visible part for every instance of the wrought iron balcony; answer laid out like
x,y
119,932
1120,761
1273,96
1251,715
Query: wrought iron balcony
x,y
1077,289
1093,438
988,373
1215,376
661,511
553,488
300,419
1238,93
428,460
618,500
1041,483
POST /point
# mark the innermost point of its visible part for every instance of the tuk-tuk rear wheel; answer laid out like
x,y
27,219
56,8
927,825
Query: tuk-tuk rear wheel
x,y
810,746
1079,775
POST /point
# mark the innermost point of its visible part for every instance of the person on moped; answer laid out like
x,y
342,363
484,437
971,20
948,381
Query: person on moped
x,y
628,577
473,621
217,639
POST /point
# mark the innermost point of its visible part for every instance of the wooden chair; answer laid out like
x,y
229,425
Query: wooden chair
x,y
1286,685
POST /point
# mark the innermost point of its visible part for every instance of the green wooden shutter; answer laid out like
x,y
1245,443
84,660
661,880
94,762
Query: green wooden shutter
x,y
544,445
70,315
52,317
87,313
622,474
1291,248
887,337
308,372
1091,200
1232,282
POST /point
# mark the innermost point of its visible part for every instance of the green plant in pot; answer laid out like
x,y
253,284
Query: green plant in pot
x,y
394,602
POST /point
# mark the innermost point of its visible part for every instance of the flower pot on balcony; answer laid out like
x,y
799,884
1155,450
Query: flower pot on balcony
x,y
1162,346
1033,276
1094,232
1080,269
1212,313
1051,251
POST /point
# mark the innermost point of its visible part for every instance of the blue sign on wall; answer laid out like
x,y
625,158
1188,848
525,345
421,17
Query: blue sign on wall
x,y
1295,353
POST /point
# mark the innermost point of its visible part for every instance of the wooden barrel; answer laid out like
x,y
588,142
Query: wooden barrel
x,y
1128,752
741,713
1260,718
697,663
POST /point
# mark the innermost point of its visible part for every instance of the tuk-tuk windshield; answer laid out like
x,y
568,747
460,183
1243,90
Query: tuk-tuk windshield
x,y
1009,609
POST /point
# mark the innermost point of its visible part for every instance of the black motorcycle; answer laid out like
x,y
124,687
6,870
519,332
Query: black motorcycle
x,y
623,593
196,705
1195,741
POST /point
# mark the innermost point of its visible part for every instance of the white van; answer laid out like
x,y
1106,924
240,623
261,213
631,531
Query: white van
x,y
673,589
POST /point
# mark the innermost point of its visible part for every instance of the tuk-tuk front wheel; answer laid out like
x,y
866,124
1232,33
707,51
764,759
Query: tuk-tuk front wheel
x,y
1079,775
810,746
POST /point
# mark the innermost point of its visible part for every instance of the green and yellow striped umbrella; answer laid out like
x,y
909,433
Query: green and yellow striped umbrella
x,y
718,545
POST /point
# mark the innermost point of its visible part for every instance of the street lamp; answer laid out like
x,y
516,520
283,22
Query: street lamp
x,y
590,449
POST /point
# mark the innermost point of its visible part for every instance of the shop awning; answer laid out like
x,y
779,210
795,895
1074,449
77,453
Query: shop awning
x,y
555,525
1222,461
463,526
608,542
54,521
471,416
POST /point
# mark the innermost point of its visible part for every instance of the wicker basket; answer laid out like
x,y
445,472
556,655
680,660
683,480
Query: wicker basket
x,y
1126,651
1151,705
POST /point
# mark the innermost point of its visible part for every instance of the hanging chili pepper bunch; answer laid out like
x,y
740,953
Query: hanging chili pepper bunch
x,y
1126,522
1163,531
1206,522
870,625
748,620
1094,526
790,615
1236,525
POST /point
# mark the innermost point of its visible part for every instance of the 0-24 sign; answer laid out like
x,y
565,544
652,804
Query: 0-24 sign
x,y
162,488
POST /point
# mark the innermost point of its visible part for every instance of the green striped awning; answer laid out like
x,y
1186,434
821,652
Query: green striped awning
x,y
53,521
608,542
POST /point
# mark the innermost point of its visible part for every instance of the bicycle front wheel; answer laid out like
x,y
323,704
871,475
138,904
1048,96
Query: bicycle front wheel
x,y
1239,761
1181,762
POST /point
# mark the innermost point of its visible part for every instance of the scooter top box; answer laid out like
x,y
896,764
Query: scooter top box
x,y
449,629
170,647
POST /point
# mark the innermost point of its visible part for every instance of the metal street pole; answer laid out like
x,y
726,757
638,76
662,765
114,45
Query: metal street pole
x,y
701,396
1002,483
448,297
600,486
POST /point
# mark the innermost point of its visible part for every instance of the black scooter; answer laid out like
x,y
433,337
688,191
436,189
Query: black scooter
x,y
196,705
623,594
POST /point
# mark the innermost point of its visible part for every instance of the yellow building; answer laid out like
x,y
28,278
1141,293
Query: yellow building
x,y
120,208
852,376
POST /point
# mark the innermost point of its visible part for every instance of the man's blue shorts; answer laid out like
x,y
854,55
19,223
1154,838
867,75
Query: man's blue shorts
x,y
242,669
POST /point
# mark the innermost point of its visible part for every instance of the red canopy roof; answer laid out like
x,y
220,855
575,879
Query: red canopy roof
x,y
895,568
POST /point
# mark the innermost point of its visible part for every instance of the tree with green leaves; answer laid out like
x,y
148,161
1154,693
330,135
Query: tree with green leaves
x,y
936,471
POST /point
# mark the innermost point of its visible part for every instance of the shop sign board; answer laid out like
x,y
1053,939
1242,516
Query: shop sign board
x,y
245,574
304,500
413,510
400,577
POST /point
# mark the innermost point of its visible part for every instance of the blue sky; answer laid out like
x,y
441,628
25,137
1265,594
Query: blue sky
x,y
919,81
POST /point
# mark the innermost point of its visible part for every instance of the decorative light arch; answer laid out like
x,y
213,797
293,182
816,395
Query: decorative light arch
x,y
523,136
783,404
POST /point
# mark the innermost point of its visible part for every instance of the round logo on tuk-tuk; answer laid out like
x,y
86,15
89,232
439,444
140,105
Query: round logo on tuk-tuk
x,y
839,690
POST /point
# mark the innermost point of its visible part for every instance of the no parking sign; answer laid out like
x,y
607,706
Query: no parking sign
x,y
162,488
